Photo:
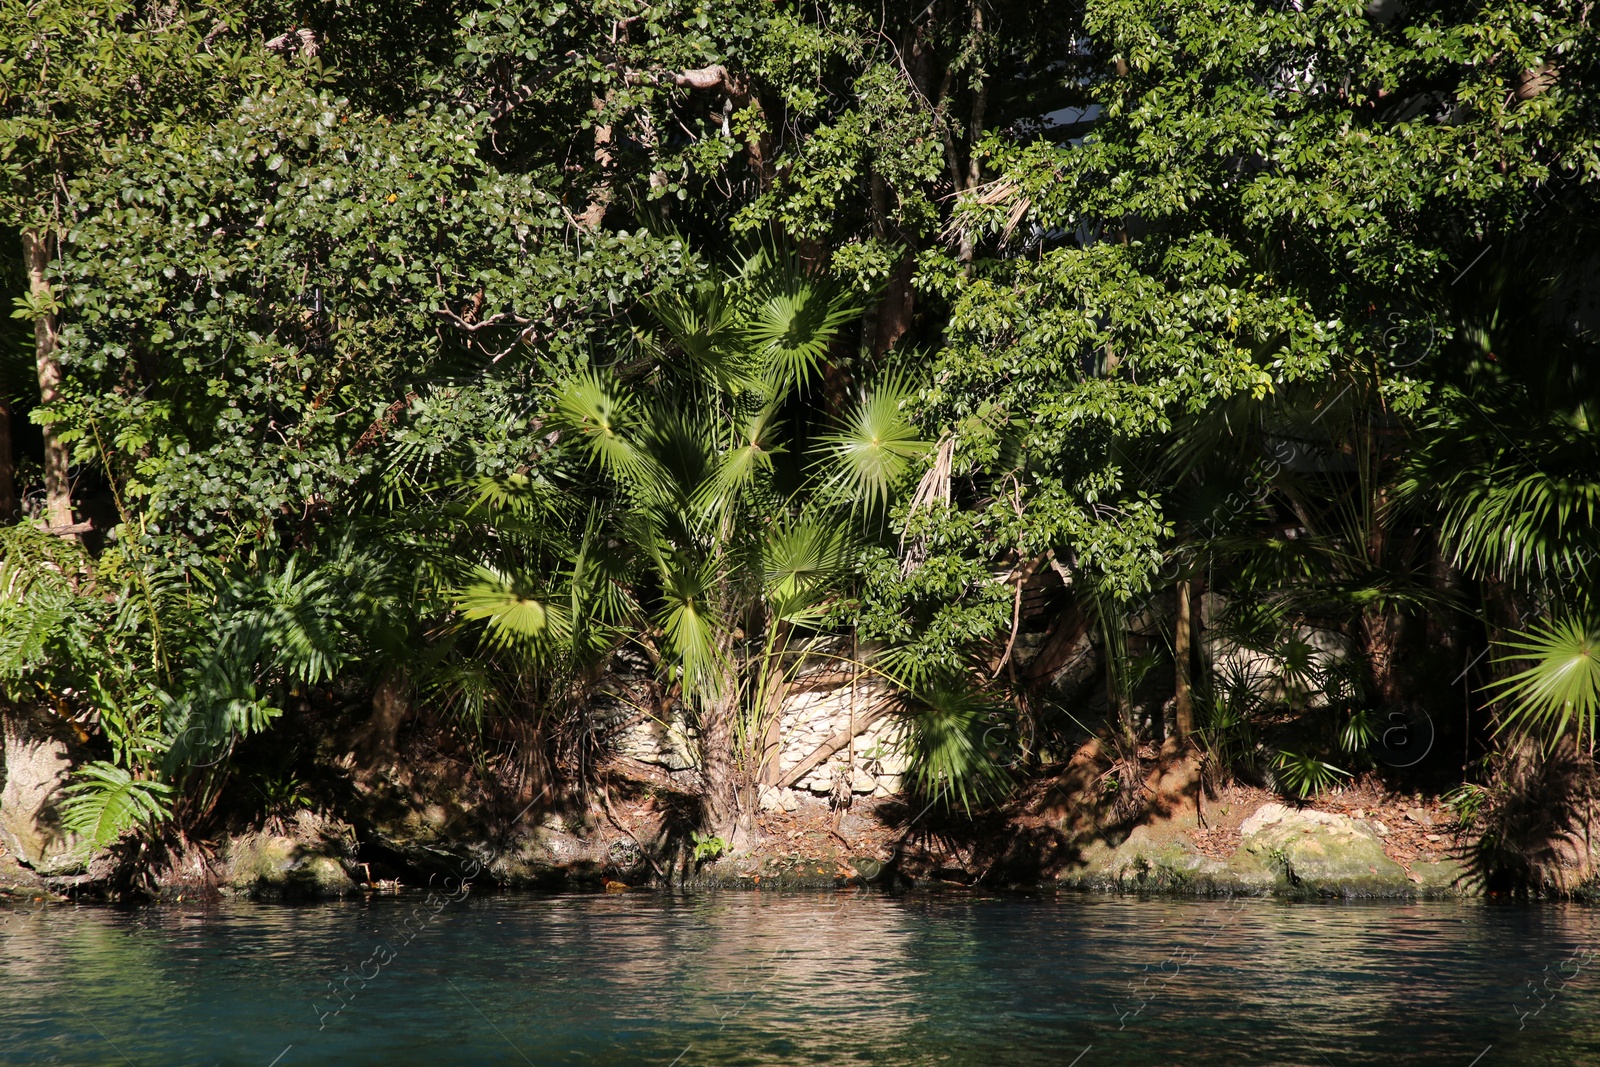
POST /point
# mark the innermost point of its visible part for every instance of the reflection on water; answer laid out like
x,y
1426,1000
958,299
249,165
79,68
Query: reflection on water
x,y
751,978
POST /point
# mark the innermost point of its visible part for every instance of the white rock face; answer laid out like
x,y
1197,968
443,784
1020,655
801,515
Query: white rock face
x,y
1269,815
811,716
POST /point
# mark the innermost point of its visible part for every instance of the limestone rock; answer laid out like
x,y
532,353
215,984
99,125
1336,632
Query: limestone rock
x,y
775,799
1161,857
309,862
1446,878
1319,852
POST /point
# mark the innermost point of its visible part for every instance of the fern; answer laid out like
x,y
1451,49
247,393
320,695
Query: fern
x,y
106,802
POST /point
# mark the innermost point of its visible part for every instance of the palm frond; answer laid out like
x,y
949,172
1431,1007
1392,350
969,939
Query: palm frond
x,y
791,317
513,613
875,447
802,561
705,325
692,626
948,755
1561,690
598,413
738,468
1305,776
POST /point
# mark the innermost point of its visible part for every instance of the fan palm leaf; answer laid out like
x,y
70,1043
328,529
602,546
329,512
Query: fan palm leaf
x,y
598,414
947,745
875,446
692,626
513,614
736,471
802,561
790,318
1561,690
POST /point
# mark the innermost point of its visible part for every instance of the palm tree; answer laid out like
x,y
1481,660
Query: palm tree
x,y
730,554
1508,461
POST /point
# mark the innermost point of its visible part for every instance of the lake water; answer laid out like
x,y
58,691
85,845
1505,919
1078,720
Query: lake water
x,y
762,978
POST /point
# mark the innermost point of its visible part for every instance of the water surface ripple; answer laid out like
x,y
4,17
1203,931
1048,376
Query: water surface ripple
x,y
766,979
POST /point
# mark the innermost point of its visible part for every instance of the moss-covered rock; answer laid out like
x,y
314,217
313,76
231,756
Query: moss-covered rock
x,y
1160,857
1316,853
1445,878
307,862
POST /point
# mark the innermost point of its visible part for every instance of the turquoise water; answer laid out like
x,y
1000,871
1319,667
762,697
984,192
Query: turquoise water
x,y
768,979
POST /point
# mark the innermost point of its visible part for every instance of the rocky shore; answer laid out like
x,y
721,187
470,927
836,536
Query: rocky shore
x,y
1247,846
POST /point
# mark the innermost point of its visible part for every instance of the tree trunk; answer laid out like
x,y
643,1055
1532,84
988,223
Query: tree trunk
x,y
894,311
771,723
8,480
1182,660
377,744
727,815
980,101
57,485
1380,641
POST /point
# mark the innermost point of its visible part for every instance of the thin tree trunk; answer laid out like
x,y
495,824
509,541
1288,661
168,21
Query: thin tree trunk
x,y
1380,641
1182,660
895,309
8,480
772,714
980,101
57,485
378,742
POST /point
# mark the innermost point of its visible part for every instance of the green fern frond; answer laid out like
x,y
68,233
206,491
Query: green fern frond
x,y
105,801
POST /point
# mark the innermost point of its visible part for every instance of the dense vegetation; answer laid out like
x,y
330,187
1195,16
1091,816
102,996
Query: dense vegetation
x,y
395,364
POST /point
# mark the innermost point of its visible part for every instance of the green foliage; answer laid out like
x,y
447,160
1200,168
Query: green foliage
x,y
428,338
1560,692
105,801
1305,776
951,759
707,846
876,447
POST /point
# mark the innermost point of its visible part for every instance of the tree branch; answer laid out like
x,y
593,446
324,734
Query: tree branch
x,y
836,742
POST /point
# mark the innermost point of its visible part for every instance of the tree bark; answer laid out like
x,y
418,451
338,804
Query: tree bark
x,y
1380,641
1381,626
726,815
57,484
8,480
377,744
772,714
1182,660
980,101
897,306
